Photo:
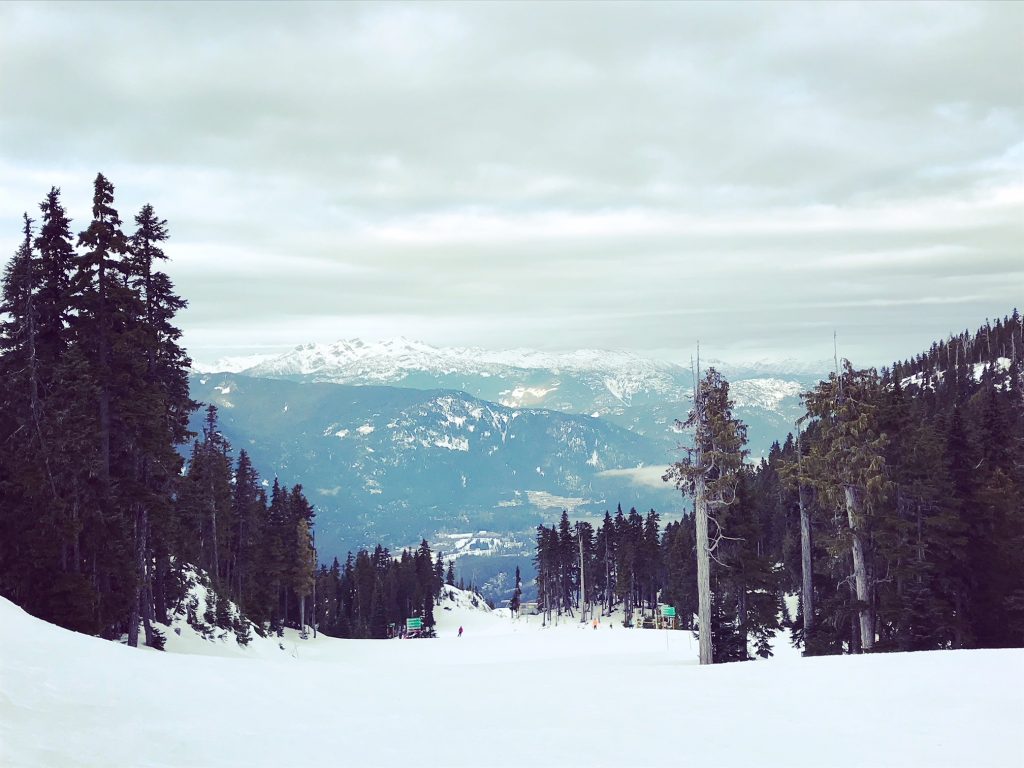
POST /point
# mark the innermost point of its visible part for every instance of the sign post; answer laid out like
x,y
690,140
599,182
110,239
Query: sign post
x,y
668,616
668,612
413,624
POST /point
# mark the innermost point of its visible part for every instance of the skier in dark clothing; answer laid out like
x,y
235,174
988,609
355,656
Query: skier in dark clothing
x,y
460,631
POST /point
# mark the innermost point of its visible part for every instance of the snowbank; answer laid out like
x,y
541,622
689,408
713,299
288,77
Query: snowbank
x,y
505,694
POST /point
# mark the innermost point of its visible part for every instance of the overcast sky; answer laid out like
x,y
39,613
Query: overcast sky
x,y
558,176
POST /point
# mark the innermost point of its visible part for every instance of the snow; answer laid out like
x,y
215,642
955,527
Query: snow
x,y
624,697
392,360
767,393
406,354
546,500
521,395
453,444
1001,365
235,364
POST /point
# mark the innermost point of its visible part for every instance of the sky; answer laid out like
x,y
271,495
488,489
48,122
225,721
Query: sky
x,y
640,177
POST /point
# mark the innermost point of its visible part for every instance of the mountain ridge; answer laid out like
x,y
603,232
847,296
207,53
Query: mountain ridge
x,y
397,462
641,394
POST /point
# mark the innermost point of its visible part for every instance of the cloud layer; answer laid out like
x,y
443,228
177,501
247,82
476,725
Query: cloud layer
x,y
557,175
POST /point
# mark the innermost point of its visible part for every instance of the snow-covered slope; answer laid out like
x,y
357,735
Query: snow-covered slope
x,y
998,370
231,364
504,694
767,394
390,360
193,628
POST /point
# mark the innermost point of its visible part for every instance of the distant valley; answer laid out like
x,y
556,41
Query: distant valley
x,y
397,440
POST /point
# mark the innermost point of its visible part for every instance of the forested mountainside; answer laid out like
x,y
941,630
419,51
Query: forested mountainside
x,y
390,464
954,367
912,495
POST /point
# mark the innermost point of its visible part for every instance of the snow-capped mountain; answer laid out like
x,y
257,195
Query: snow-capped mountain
x,y
643,395
392,359
517,377
395,464
397,439
231,364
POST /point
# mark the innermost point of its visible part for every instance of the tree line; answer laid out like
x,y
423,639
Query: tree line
x,y
97,520
373,593
257,549
618,565
894,513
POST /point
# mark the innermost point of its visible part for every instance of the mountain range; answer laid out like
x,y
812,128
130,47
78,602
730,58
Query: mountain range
x,y
397,439
643,395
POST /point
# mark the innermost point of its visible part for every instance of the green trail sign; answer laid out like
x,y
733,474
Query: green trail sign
x,y
414,623
668,611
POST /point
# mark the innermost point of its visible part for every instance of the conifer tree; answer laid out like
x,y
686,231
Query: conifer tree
x,y
709,473
846,464
517,595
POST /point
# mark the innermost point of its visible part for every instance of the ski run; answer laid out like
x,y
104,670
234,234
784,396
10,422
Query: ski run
x,y
507,693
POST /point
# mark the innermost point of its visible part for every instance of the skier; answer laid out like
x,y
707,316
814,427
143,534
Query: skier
x,y
460,631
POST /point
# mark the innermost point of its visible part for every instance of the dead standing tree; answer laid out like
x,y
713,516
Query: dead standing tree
x,y
709,473
846,465
792,473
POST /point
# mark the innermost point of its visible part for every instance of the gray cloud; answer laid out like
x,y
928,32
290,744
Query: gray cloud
x,y
554,175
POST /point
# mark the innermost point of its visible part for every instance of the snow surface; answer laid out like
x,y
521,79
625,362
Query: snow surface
x,y
764,393
1001,365
507,693
235,364
390,361
384,357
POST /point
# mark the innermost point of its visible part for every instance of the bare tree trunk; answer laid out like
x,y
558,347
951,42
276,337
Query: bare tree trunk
x,y
214,560
806,567
104,393
743,619
163,566
703,575
958,627
583,585
607,573
76,545
147,583
854,628
807,574
860,574
34,382
140,568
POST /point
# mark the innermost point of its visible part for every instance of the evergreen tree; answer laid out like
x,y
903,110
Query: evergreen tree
x,y
709,473
517,595
847,466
